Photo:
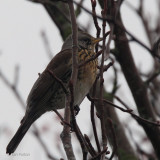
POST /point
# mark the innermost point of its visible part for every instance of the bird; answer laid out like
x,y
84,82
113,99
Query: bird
x,y
47,93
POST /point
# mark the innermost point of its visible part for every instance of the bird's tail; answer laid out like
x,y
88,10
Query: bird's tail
x,y
23,128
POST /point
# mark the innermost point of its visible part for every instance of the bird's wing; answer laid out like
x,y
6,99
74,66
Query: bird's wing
x,y
46,84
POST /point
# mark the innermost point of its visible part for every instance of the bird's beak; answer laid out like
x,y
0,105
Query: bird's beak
x,y
96,40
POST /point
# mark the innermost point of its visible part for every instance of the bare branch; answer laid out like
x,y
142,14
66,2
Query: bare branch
x,y
152,77
128,110
92,117
139,119
93,2
114,139
92,150
60,82
46,44
101,153
16,76
90,59
103,129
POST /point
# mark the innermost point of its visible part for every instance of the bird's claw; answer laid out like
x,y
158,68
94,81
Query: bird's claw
x,y
77,109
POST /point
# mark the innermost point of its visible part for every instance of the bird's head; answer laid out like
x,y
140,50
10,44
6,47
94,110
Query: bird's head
x,y
85,41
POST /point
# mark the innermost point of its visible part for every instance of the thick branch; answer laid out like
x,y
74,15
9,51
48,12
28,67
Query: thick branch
x,y
136,85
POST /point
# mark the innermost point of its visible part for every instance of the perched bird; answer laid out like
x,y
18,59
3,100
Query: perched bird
x,y
47,93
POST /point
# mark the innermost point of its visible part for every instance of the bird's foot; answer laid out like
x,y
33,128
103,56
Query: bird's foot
x,y
71,126
77,109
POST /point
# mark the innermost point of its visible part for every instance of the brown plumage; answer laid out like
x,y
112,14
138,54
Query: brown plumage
x,y
47,94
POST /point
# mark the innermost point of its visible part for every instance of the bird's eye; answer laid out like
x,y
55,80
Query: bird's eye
x,y
84,43
88,41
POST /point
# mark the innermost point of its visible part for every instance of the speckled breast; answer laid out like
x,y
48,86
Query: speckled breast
x,y
89,70
86,74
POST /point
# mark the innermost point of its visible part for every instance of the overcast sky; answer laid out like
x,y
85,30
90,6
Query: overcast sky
x,y
21,44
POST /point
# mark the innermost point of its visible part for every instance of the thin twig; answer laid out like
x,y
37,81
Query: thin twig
x,y
114,139
93,2
78,9
92,117
105,67
100,154
128,110
103,129
92,150
61,118
106,101
90,59
109,41
59,81
153,76
138,147
46,44
16,76
138,118
145,21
